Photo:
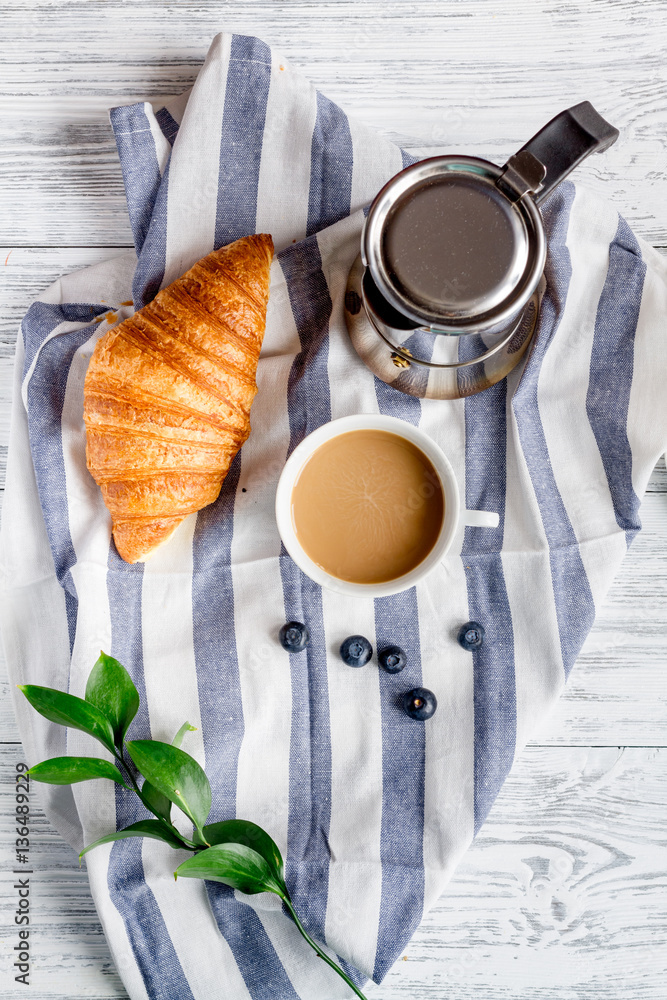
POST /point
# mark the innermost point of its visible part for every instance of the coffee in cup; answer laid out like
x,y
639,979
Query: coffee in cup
x,y
391,506
367,506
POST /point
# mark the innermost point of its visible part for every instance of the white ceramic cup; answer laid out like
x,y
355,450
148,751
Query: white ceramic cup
x,y
453,514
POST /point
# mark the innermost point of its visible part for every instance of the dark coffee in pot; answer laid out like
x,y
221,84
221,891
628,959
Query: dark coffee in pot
x,y
449,243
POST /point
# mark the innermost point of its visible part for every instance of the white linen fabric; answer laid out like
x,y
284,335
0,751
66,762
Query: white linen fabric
x,y
371,810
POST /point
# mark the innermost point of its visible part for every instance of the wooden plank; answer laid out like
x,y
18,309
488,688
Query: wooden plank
x,y
474,78
70,954
561,895
61,183
25,272
624,656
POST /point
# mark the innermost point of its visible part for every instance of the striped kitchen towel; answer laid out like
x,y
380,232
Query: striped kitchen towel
x,y
371,810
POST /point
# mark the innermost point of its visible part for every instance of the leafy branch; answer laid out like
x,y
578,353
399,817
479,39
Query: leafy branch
x,y
235,852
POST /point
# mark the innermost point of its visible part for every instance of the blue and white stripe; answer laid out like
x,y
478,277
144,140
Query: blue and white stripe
x,y
371,811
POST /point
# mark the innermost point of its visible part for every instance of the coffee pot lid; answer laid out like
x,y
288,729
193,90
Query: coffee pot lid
x,y
456,243
446,244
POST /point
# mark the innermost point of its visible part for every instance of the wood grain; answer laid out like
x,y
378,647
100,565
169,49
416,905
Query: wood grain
x,y
471,76
562,896
70,954
562,899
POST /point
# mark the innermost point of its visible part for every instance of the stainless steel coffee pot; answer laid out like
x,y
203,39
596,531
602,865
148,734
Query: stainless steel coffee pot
x,y
444,297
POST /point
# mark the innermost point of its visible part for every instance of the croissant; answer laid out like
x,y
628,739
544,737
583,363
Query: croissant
x,y
168,393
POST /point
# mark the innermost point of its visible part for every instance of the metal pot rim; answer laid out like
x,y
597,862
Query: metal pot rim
x,y
509,304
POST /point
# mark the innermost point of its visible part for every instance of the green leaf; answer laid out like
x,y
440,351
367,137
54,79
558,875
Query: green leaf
x,y
156,801
144,828
111,689
185,728
242,831
176,774
69,770
68,710
235,865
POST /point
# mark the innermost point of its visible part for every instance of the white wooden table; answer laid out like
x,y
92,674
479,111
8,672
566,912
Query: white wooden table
x,y
563,895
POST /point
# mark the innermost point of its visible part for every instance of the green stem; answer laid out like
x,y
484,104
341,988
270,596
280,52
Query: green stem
x,y
188,843
135,787
317,949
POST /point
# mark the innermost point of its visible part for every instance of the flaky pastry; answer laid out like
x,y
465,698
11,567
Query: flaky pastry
x,y
168,393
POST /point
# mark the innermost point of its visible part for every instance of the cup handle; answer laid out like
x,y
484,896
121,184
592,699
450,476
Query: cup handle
x,y
480,519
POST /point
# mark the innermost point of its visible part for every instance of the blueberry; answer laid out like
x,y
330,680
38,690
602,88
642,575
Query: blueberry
x,y
471,635
356,650
294,637
420,703
392,658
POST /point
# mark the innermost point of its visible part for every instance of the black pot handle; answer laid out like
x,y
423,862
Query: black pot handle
x,y
567,140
